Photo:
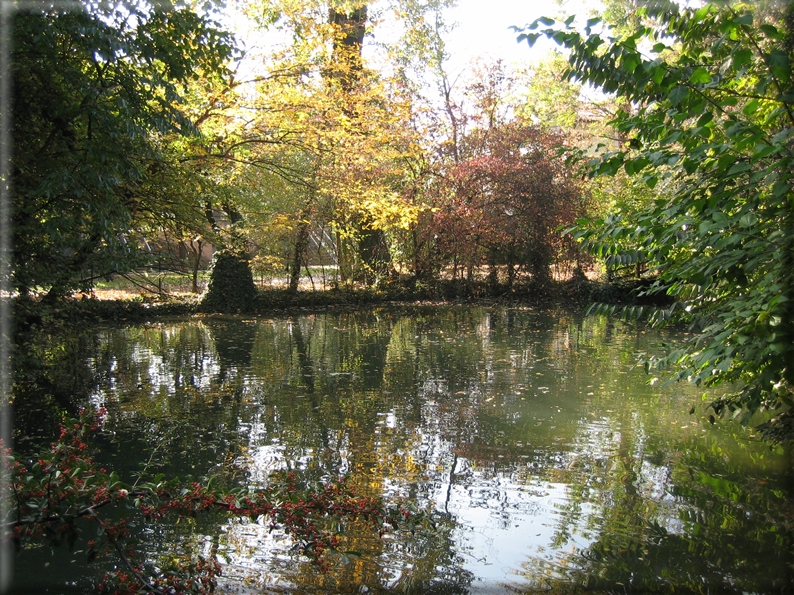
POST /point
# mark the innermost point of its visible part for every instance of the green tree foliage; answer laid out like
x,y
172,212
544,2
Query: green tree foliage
x,y
95,91
708,118
549,101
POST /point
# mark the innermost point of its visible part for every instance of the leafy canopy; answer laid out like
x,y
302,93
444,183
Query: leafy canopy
x,y
95,93
708,120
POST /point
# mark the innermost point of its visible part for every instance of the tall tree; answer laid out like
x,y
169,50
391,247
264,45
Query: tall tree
x,y
713,120
347,61
94,92
336,132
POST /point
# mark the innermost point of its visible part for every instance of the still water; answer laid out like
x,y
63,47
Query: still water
x,y
551,462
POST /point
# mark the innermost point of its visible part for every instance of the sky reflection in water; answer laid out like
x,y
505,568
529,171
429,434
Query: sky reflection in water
x,y
534,434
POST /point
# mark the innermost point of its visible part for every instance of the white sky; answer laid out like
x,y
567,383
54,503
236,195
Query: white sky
x,y
482,29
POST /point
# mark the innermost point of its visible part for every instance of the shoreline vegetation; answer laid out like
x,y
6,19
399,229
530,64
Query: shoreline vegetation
x,y
573,293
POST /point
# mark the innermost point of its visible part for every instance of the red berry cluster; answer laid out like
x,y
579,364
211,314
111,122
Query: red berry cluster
x,y
63,489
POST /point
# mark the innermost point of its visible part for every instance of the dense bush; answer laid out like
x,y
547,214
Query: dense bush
x,y
231,288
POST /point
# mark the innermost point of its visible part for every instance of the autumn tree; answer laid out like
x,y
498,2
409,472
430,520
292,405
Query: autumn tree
x,y
505,205
335,131
501,195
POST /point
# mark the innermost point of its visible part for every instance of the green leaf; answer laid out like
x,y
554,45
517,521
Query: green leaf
x,y
703,132
705,118
530,38
678,94
700,75
658,75
751,107
738,168
631,61
770,31
781,189
701,14
748,220
742,57
726,160
719,217
761,150
778,58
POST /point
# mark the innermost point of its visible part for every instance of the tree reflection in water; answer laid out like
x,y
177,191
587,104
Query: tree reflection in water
x,y
551,460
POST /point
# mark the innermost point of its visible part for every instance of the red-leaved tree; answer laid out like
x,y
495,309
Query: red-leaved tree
x,y
504,204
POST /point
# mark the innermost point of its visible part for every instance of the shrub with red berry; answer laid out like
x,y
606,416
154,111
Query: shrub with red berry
x,y
64,491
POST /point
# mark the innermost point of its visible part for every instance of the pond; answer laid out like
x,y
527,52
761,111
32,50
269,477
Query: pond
x,y
550,460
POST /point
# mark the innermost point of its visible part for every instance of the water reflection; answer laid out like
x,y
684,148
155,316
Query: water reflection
x,y
533,434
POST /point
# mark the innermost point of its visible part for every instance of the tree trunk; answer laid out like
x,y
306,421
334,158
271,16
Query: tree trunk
x,y
347,61
196,262
493,271
301,243
511,267
539,262
373,260
373,252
